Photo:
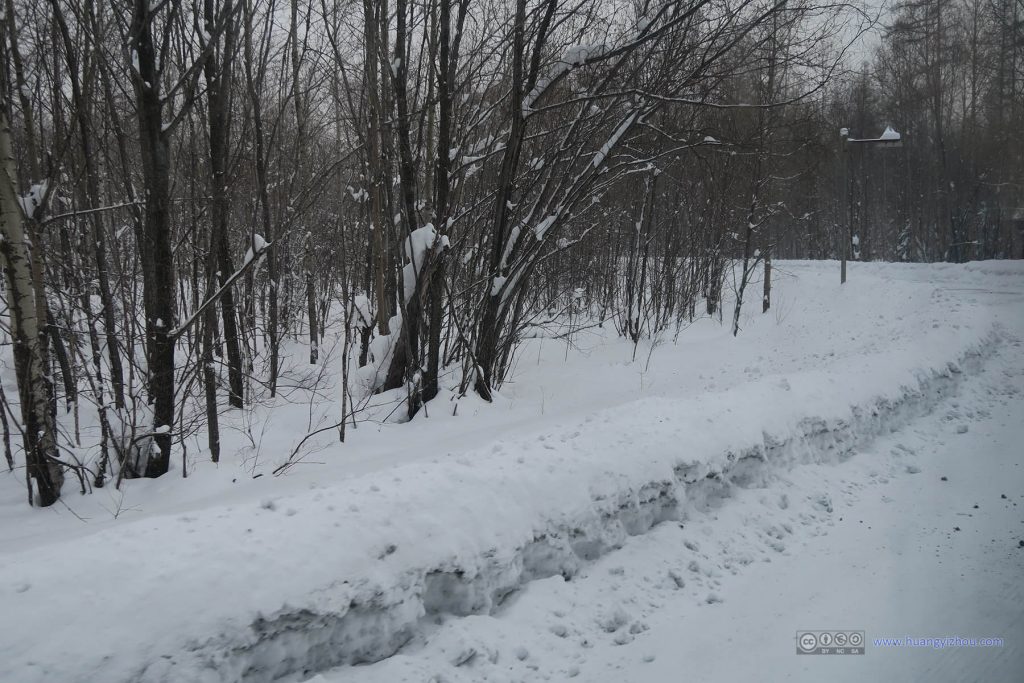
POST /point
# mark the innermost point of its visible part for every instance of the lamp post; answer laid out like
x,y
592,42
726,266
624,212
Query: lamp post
x,y
889,139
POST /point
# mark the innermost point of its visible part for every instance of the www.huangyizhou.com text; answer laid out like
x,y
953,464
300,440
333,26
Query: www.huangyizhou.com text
x,y
938,643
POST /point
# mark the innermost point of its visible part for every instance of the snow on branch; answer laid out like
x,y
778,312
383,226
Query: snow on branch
x,y
34,199
575,56
417,245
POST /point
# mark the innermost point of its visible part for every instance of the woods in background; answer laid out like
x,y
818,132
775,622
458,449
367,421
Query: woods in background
x,y
190,188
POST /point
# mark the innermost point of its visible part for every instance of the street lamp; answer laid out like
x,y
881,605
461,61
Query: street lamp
x,y
889,139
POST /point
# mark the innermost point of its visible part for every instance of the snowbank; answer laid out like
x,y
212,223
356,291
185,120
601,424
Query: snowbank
x,y
344,574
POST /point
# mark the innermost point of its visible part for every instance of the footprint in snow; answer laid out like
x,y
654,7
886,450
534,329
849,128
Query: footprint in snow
x,y
638,627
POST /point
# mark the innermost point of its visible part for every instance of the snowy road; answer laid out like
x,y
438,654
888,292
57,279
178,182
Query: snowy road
x,y
905,556
917,537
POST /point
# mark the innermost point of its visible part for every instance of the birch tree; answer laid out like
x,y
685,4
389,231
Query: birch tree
x,y
44,473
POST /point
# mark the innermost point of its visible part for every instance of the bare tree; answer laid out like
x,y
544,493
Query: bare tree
x,y
44,473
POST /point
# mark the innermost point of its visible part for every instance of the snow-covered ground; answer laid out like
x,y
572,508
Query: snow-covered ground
x,y
607,519
910,538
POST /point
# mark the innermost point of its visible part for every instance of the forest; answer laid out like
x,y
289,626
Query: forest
x,y
198,196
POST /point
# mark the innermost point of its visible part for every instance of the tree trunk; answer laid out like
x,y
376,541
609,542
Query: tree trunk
x,y
491,322
218,79
44,472
314,335
272,325
375,168
155,248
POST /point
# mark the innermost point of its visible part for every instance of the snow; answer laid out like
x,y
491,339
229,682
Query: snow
x,y
416,245
33,199
362,315
371,376
726,488
870,545
889,134
844,545
510,244
541,229
418,242
573,57
259,244
497,284
607,147
577,55
542,85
